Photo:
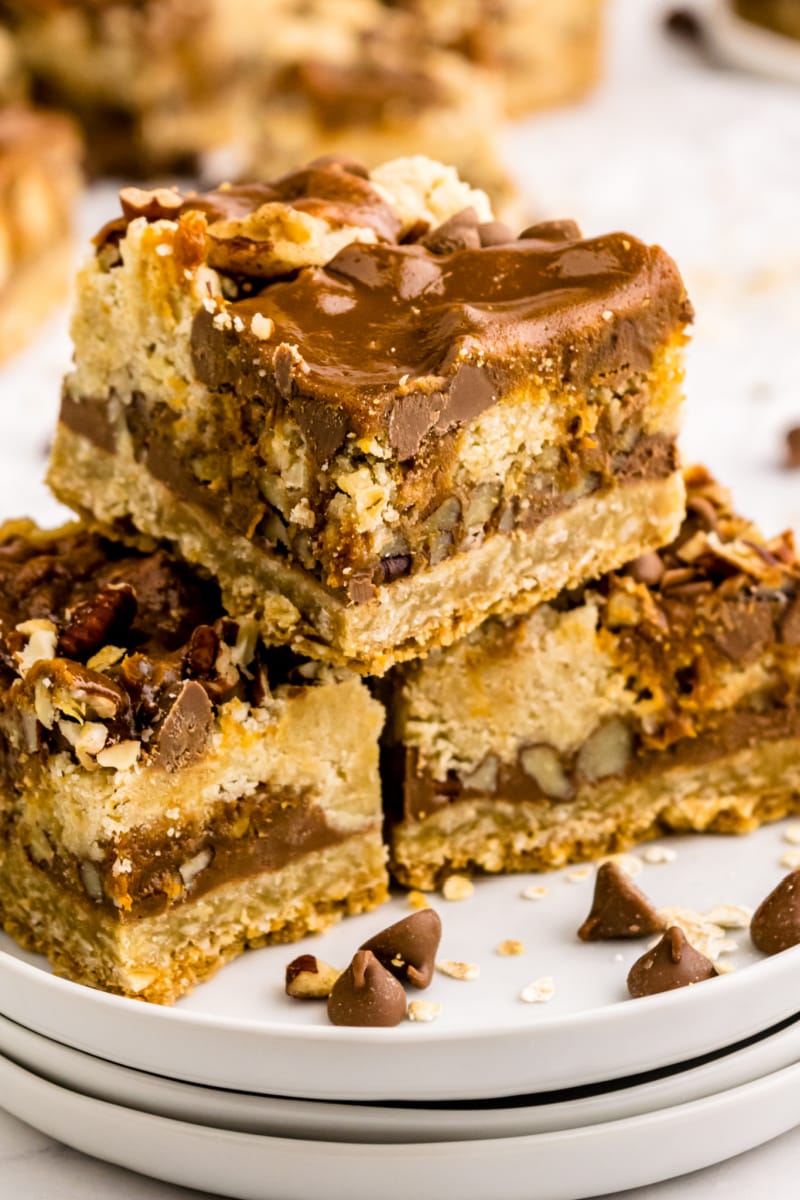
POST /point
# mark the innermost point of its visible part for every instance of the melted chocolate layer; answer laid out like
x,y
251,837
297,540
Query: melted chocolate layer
x,y
402,340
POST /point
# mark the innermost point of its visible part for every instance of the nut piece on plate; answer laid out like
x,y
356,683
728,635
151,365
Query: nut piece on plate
x,y
370,500
619,909
672,963
776,922
408,948
309,978
366,994
180,791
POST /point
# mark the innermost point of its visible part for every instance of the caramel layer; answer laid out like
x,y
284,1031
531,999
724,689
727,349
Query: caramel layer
x,y
415,794
654,456
245,838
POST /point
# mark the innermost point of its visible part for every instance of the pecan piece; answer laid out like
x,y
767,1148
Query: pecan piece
x,y
94,622
202,651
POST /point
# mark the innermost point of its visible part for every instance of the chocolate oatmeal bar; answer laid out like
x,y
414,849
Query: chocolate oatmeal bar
x,y
173,793
39,182
542,53
166,84
663,697
367,409
255,86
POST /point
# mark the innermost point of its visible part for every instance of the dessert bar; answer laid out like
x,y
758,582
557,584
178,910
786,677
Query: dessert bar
x,y
39,181
662,697
172,792
261,84
368,409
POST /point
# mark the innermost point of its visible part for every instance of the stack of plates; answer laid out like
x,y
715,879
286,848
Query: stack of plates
x,y
243,1092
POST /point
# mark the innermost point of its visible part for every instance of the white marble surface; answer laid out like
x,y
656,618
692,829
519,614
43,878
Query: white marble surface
x,y
703,160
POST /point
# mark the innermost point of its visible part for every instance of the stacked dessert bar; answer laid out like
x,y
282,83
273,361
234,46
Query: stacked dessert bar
x,y
347,424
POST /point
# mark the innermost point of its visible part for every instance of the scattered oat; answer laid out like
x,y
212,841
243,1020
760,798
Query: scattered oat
x,y
458,970
418,900
791,834
578,875
510,948
539,992
424,1010
724,967
731,916
628,863
705,932
536,891
618,958
656,855
458,887
791,859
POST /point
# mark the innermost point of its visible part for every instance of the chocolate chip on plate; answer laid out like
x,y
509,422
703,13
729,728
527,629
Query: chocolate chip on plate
x,y
672,963
408,948
366,994
776,921
619,909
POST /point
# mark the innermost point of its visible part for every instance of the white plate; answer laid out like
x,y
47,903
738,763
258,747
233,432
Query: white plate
x,y
240,1031
561,1166
746,45
282,1117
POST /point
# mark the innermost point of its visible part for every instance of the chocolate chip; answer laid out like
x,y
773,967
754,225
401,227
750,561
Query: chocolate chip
x,y
201,653
552,231
366,994
186,729
743,629
97,621
684,23
393,567
619,909
776,921
673,963
495,233
647,569
790,623
459,232
408,948
793,447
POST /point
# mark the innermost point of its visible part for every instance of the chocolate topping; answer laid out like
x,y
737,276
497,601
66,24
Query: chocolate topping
x,y
186,729
366,994
619,909
408,948
405,340
776,921
673,963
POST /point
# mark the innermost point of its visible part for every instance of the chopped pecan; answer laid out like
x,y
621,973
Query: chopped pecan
x,y
201,653
94,622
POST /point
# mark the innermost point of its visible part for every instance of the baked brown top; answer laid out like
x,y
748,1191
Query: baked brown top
x,y
413,339
92,632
